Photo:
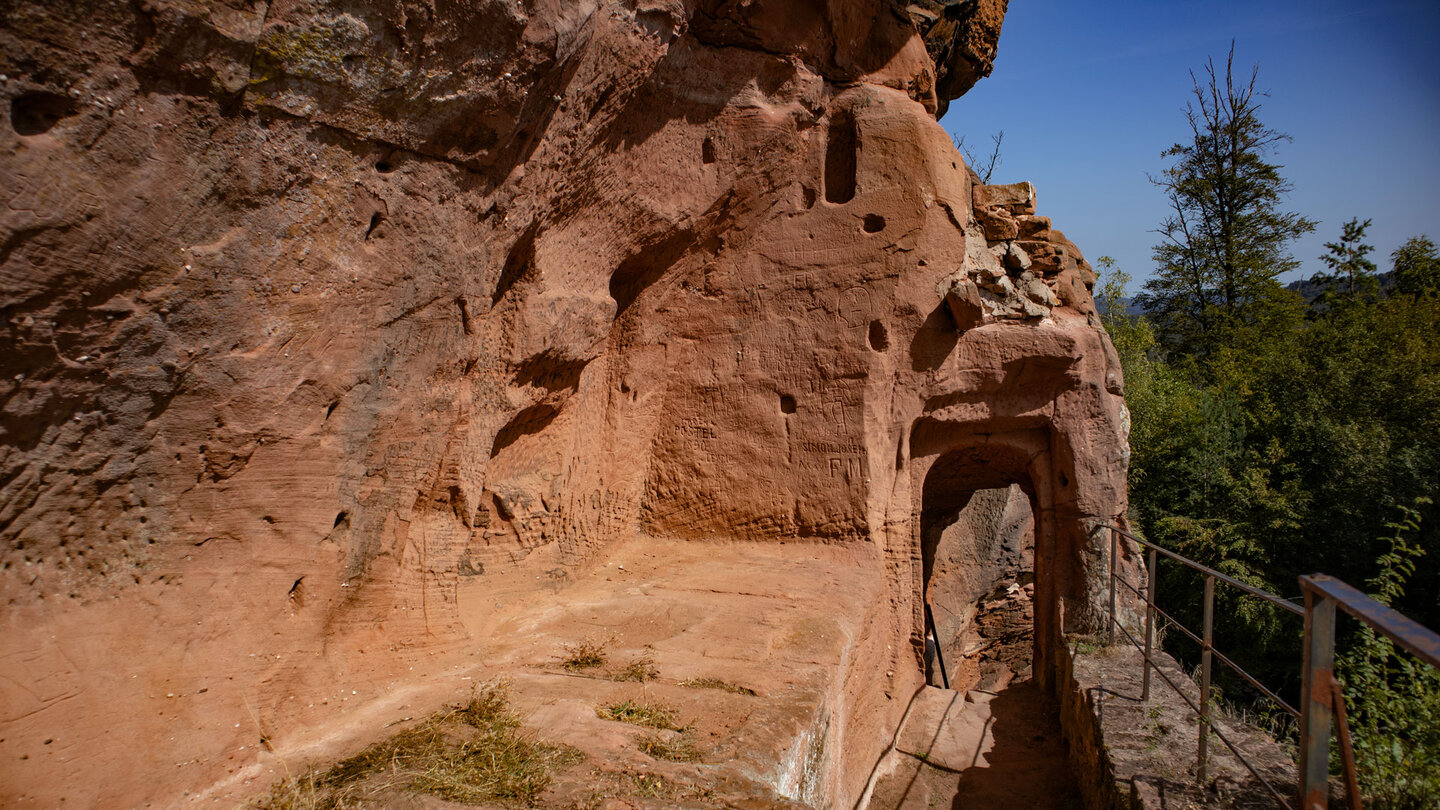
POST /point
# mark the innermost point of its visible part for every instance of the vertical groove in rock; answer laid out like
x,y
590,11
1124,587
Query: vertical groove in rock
x,y
841,141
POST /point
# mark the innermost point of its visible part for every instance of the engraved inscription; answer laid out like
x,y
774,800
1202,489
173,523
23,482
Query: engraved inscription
x,y
855,306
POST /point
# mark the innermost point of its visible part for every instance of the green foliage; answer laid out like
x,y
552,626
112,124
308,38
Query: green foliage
x,y
1416,267
1133,337
1395,700
1283,455
1351,274
1224,241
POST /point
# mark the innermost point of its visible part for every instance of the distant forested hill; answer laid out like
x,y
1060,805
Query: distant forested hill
x,y
1308,290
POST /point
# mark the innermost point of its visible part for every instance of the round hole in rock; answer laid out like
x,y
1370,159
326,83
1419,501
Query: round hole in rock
x,y
874,223
787,403
36,112
879,338
707,151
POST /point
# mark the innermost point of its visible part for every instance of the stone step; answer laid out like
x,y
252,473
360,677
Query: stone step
x,y
980,749
945,728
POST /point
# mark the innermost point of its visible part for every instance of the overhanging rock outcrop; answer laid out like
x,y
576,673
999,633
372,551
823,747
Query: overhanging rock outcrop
x,y
318,313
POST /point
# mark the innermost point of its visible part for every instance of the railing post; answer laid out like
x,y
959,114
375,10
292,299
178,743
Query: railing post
x,y
1149,625
1315,703
1207,644
934,632
1114,546
1347,751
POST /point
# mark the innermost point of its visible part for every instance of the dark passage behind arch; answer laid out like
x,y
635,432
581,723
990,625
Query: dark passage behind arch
x,y
977,534
957,474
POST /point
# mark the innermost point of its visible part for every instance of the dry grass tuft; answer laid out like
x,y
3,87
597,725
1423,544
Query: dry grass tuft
x,y
716,683
469,753
301,793
650,715
640,670
678,748
587,654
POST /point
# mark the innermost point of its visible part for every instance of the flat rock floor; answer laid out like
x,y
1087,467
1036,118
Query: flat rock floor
x,y
745,646
975,751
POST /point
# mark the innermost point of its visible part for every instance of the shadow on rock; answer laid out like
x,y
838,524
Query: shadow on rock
x,y
1028,763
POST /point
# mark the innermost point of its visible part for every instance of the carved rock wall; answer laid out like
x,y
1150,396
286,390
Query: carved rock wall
x,y
318,311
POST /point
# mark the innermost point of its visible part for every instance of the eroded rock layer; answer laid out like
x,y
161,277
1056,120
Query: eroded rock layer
x,y
320,312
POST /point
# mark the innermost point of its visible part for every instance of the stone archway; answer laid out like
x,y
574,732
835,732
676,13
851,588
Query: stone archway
x,y
983,534
949,464
978,556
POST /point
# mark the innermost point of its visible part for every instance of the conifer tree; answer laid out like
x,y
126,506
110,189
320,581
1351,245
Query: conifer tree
x,y
1351,274
1225,239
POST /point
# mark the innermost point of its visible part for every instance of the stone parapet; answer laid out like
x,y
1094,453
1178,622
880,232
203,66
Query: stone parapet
x,y
1134,755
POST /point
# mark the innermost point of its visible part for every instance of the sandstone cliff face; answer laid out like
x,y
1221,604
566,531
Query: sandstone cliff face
x,y
320,312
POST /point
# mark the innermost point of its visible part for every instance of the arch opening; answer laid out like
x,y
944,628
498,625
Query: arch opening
x,y
978,527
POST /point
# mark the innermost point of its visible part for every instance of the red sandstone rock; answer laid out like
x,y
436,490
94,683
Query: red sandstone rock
x,y
999,225
1014,198
962,38
322,314
1034,227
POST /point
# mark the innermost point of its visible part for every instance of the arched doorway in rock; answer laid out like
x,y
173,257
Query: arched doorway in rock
x,y
980,523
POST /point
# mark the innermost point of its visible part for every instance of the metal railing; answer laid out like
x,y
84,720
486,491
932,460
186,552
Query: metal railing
x,y
1321,691
933,635
1205,639
1321,699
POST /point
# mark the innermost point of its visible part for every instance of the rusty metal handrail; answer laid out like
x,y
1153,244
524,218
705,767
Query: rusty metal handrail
x,y
1205,639
1320,695
1320,692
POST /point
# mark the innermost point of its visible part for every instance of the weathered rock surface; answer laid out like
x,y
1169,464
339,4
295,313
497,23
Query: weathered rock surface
x,y
962,36
319,314
982,749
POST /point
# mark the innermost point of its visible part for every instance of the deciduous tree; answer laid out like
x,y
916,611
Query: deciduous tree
x,y
1225,239
1417,268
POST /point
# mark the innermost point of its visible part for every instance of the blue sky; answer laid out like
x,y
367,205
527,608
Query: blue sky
x,y
1090,94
